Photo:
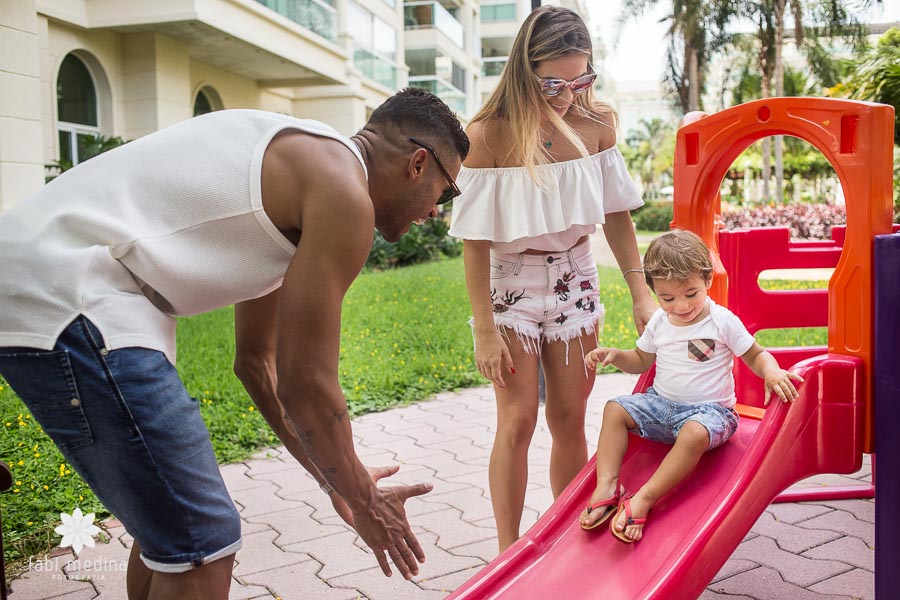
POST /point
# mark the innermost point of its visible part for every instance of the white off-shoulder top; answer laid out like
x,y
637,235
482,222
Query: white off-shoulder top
x,y
506,206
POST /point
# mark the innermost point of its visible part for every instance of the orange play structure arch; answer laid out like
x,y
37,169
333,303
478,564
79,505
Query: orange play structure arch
x,y
857,139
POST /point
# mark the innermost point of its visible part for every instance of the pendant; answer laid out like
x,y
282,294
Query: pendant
x,y
548,144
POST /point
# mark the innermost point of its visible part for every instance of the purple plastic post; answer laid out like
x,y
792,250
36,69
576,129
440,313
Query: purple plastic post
x,y
887,414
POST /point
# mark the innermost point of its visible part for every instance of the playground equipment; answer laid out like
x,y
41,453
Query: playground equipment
x,y
694,529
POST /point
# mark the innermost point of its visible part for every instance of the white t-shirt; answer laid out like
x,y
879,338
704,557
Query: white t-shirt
x,y
693,363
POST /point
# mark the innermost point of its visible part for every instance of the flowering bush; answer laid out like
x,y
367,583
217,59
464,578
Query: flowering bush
x,y
805,220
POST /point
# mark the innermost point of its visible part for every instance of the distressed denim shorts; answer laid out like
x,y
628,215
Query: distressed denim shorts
x,y
550,296
124,420
659,419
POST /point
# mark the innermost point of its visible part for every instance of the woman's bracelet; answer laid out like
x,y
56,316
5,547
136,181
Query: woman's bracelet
x,y
627,271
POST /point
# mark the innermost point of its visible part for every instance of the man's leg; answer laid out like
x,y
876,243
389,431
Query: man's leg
x,y
211,580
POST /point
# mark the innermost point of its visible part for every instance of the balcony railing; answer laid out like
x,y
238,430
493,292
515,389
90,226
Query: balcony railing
x,y
376,68
498,13
428,15
451,95
319,16
492,66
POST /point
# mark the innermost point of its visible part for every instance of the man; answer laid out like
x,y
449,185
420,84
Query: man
x,y
270,213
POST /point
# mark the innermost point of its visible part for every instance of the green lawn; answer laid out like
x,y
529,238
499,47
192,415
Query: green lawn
x,y
404,338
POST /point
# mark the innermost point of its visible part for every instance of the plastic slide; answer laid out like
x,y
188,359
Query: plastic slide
x,y
692,531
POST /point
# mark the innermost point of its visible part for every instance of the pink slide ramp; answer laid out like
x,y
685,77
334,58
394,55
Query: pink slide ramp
x,y
693,530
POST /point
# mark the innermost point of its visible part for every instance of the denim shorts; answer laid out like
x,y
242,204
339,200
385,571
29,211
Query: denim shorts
x,y
659,419
550,296
124,420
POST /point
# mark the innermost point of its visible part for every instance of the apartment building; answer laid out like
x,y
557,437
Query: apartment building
x,y
72,69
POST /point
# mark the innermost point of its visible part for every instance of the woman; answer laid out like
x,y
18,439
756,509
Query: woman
x,y
543,170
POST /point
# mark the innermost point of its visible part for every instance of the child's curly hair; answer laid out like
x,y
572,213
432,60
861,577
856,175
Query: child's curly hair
x,y
677,255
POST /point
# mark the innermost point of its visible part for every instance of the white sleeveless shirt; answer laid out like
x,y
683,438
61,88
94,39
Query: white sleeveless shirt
x,y
506,206
169,224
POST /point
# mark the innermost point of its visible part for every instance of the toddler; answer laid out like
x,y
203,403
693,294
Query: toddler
x,y
691,403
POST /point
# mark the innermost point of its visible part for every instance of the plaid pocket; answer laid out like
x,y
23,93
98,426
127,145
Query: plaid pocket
x,y
701,350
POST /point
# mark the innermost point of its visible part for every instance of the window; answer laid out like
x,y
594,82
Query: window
x,y
76,105
492,13
374,45
201,104
207,101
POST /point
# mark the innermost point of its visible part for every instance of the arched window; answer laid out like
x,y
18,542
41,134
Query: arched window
x,y
206,101
76,103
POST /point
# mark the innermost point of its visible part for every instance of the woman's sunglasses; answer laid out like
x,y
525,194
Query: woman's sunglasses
x,y
555,87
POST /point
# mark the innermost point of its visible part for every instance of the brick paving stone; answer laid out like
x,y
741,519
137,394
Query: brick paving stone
x,y
478,434
427,434
47,585
260,466
793,513
261,500
477,478
766,584
248,528
447,583
288,481
843,523
295,525
708,595
259,553
732,567
337,554
239,591
105,566
863,510
446,466
798,570
299,582
236,477
452,530
486,550
462,450
440,563
850,550
827,479
857,583
790,537
470,501
375,586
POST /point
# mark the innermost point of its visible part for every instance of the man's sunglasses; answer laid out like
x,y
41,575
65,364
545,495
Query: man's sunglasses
x,y
555,87
451,192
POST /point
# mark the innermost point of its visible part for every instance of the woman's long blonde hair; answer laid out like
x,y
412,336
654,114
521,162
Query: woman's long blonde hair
x,y
549,32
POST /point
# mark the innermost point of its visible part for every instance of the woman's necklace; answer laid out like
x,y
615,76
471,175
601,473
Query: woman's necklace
x,y
549,143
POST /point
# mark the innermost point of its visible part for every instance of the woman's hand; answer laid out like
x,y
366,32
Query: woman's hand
x,y
642,309
492,357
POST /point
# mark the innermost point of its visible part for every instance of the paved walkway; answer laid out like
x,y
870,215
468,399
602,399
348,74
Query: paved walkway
x,y
295,547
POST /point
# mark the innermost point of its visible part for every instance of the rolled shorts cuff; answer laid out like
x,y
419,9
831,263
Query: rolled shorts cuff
x,y
178,564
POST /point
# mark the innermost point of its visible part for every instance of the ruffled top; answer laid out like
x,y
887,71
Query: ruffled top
x,y
505,205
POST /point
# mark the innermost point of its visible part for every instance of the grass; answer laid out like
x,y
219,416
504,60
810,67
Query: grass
x,y
404,337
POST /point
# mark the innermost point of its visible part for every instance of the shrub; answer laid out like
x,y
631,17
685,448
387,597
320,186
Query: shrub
x,y
422,243
653,216
94,146
805,220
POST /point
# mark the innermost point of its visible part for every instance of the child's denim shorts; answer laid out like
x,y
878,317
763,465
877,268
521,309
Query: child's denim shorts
x,y
550,296
124,420
659,419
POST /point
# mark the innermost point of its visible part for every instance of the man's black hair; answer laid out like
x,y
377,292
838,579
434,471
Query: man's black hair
x,y
418,112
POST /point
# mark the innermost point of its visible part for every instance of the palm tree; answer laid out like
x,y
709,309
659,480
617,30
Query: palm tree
x,y
877,77
813,21
647,146
696,31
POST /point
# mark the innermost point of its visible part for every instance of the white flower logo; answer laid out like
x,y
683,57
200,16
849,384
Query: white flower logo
x,y
78,530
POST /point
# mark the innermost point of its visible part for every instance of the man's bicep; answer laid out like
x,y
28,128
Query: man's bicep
x,y
328,259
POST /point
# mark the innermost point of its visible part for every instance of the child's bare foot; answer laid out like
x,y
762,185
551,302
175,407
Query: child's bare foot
x,y
640,506
602,505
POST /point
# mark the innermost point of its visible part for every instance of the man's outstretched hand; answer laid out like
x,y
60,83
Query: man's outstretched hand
x,y
382,525
377,474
